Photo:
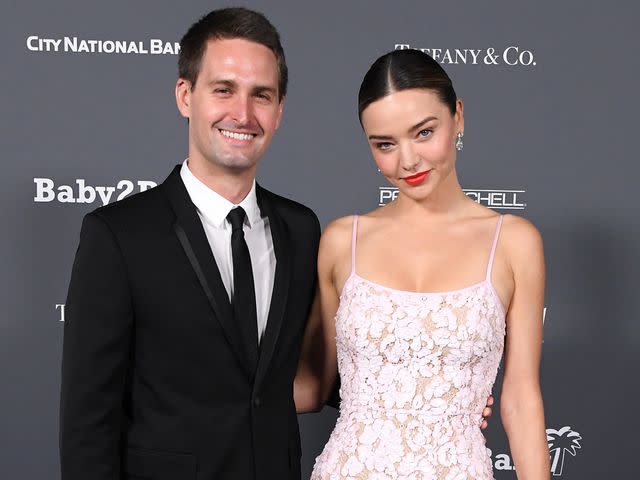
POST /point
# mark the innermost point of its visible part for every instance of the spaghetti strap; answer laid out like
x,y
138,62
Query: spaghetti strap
x,y
493,249
353,244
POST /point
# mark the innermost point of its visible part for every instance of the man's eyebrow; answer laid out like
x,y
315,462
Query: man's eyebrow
x,y
264,88
221,81
233,84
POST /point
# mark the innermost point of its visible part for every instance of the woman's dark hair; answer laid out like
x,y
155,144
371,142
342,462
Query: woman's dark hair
x,y
228,23
401,70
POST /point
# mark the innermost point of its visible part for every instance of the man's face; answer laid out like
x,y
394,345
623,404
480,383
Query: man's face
x,y
233,109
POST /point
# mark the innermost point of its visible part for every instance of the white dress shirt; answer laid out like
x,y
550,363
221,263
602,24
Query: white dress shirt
x,y
213,210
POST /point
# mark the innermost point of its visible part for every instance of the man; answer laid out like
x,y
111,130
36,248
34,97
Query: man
x,y
179,363
188,302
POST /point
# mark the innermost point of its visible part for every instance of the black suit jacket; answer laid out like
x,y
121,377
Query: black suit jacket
x,y
156,382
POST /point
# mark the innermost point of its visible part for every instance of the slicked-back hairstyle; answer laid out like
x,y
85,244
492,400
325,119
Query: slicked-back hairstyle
x,y
402,70
229,23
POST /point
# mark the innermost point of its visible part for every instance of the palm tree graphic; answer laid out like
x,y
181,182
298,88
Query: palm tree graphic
x,y
560,442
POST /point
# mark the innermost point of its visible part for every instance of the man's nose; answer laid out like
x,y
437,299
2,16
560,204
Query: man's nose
x,y
241,109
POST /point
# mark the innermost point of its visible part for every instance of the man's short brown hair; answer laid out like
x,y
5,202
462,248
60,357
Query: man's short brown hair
x,y
229,23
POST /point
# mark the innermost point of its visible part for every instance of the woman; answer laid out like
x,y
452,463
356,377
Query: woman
x,y
415,299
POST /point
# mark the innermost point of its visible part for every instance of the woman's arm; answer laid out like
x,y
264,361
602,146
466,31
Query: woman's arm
x,y
521,406
317,367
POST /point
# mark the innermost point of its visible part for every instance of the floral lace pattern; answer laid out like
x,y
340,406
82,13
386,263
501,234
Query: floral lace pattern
x,y
416,371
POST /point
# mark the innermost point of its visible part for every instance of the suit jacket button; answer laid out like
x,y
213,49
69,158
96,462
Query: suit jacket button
x,y
256,402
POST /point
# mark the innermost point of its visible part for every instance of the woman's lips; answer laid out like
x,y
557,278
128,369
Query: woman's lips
x,y
417,179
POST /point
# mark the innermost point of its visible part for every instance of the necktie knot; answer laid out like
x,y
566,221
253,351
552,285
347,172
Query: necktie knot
x,y
236,218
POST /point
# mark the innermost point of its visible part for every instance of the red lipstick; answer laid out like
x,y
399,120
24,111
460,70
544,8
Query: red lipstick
x,y
417,179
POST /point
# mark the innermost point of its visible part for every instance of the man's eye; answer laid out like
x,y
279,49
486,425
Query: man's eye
x,y
222,90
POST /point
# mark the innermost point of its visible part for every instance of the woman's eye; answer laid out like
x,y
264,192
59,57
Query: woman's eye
x,y
424,133
383,146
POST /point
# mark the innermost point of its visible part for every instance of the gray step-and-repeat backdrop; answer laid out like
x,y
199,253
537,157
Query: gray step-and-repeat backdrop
x,y
88,117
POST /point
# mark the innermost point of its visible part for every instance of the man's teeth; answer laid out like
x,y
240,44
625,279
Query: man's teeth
x,y
237,136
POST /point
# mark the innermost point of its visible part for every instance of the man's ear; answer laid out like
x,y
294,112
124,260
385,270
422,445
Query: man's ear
x,y
280,107
183,97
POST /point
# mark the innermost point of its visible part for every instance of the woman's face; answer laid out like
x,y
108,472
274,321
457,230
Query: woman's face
x,y
412,137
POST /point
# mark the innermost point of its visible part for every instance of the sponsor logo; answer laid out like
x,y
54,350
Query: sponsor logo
x,y
497,199
60,308
512,55
68,44
502,199
47,191
561,442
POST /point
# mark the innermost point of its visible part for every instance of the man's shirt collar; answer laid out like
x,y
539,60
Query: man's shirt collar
x,y
213,206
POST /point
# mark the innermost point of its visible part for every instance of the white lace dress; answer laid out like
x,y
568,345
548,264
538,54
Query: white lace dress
x,y
416,371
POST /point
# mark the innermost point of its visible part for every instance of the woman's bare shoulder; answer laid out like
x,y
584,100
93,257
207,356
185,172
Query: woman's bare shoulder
x,y
336,237
521,238
338,228
519,230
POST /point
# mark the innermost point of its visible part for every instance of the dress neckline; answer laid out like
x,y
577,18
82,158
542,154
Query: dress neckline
x,y
411,292
429,294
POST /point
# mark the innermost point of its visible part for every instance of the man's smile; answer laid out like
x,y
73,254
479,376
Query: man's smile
x,y
239,136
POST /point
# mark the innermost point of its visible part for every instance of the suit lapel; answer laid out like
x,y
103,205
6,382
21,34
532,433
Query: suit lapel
x,y
280,293
190,232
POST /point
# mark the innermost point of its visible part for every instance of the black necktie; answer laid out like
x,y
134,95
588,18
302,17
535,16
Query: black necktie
x,y
244,296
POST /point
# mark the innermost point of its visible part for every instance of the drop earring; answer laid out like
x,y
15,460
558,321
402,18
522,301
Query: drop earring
x,y
459,142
